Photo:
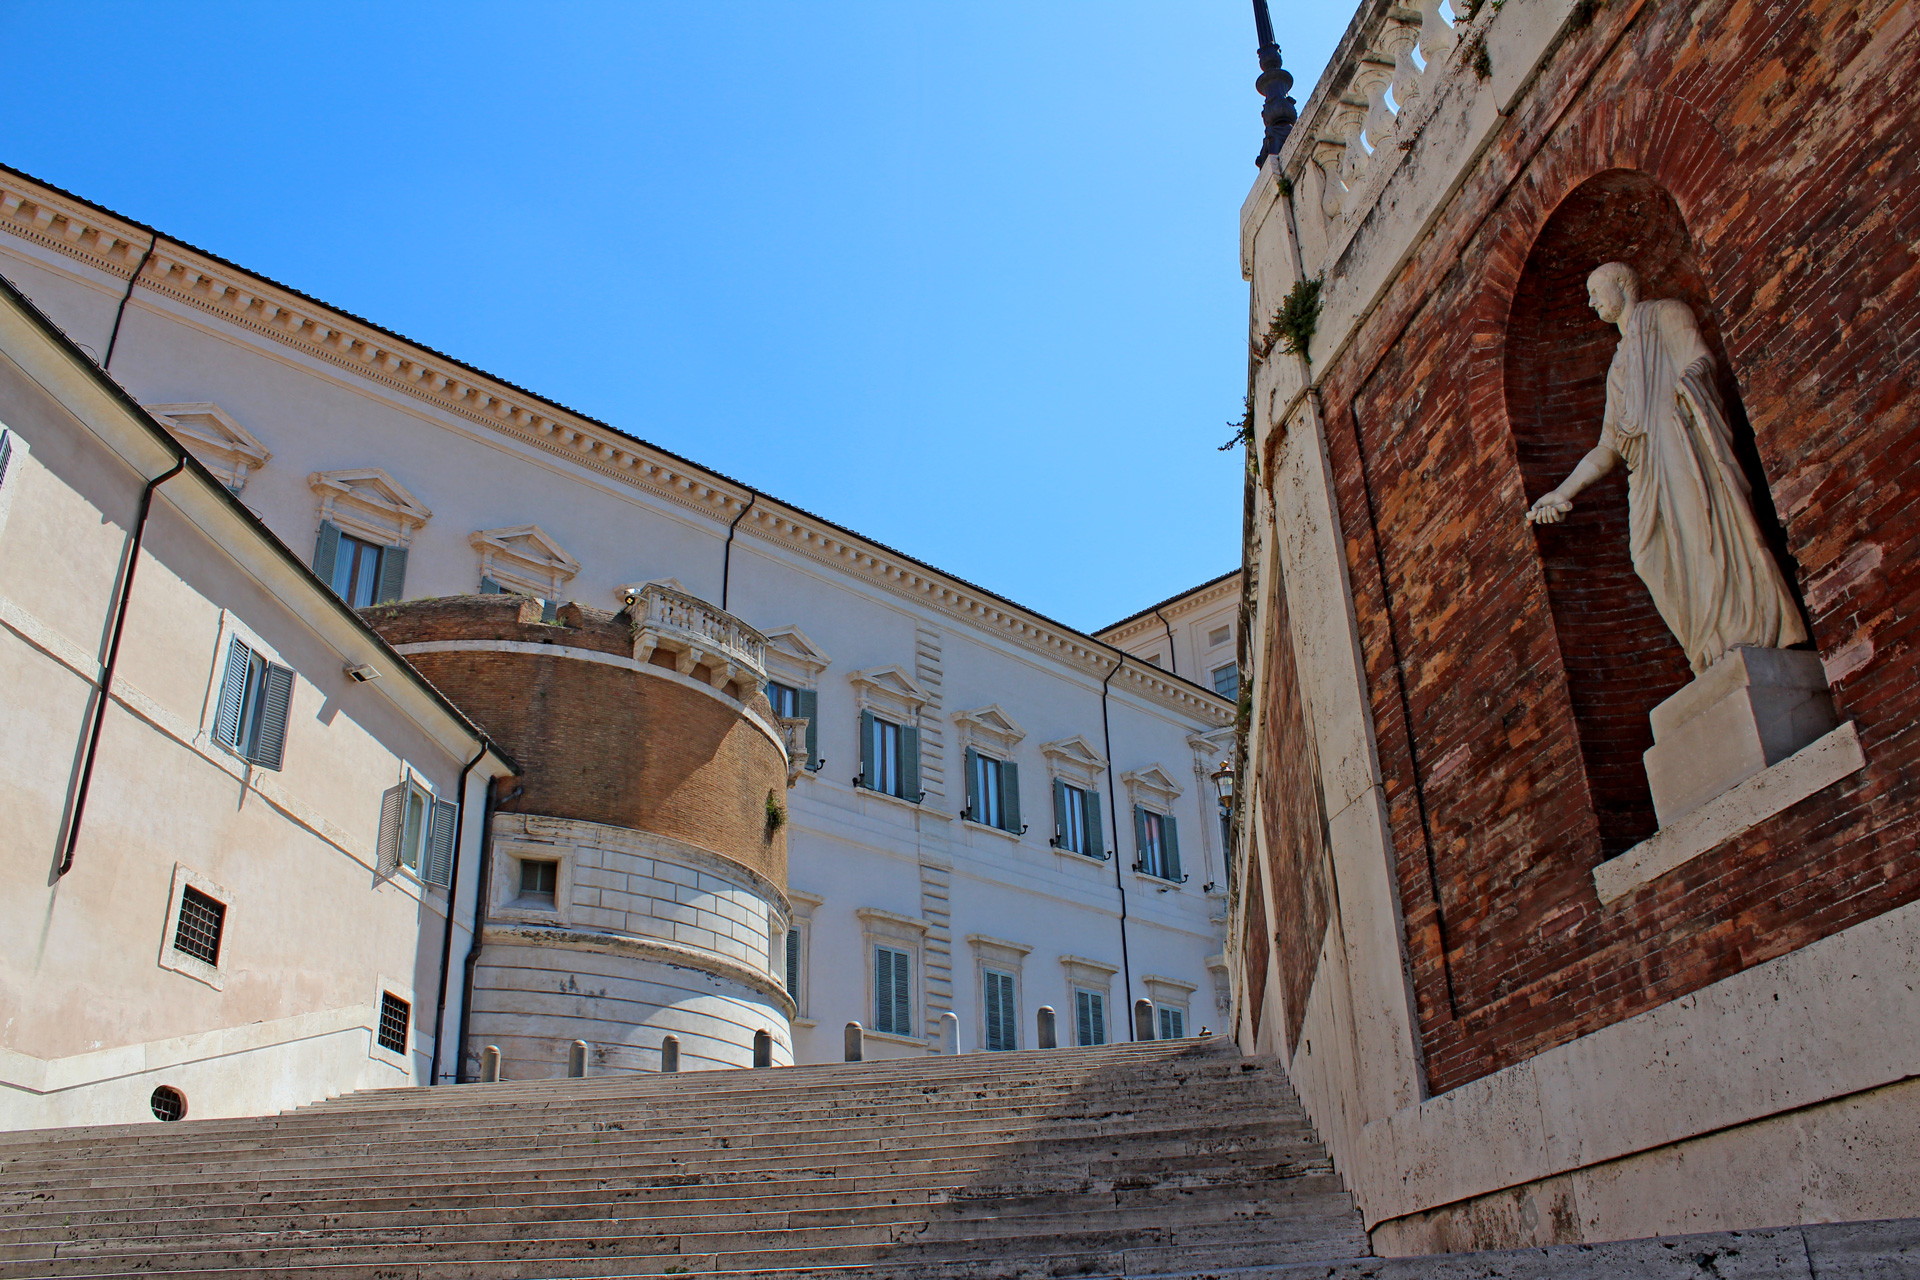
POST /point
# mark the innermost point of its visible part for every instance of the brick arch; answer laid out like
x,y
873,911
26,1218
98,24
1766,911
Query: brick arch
x,y
1619,658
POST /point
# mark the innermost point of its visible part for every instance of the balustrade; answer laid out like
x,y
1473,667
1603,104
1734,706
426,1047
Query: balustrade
x,y
698,635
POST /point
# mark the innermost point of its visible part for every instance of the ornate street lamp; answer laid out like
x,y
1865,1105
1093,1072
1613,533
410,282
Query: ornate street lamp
x,y
1223,785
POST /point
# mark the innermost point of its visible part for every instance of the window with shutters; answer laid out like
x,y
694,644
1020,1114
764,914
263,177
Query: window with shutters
x,y
793,963
1173,1023
1002,1009
11,450
367,522
1158,844
793,703
255,700
1078,822
416,833
893,991
889,757
1089,1017
799,950
993,792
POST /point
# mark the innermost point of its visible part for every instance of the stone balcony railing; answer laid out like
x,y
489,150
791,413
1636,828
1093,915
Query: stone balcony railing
x,y
698,635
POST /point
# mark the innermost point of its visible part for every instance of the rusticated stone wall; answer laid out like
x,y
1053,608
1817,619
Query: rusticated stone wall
x,y
1508,676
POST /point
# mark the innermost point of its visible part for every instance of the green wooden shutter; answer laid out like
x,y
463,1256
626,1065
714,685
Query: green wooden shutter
x,y
869,750
1170,853
808,704
488,587
6,453
439,860
1139,838
1010,795
233,695
793,963
1099,1003
882,989
1001,1018
276,702
902,993
326,550
1096,826
387,847
393,574
1059,812
910,762
973,785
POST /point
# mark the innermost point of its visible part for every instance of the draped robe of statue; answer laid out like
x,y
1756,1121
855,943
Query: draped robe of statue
x,y
1694,539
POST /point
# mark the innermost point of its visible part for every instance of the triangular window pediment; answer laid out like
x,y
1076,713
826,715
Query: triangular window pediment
x,y
210,434
887,689
525,559
989,727
368,502
1075,750
792,653
1152,786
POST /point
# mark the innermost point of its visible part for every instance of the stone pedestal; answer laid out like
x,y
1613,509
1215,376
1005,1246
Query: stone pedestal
x,y
1752,709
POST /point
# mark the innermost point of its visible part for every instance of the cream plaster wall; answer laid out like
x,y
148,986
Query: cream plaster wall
x,y
94,1017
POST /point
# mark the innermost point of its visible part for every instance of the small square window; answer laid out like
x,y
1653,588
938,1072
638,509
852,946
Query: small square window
x,y
395,1014
539,878
201,921
1220,635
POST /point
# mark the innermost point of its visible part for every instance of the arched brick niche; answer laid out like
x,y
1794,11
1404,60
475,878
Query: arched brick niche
x,y
1619,657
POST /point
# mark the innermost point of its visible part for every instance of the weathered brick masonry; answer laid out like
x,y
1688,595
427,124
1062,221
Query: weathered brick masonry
x,y
1759,160
598,742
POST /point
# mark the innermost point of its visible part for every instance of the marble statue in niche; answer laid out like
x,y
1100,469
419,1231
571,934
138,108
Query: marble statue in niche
x,y
1694,539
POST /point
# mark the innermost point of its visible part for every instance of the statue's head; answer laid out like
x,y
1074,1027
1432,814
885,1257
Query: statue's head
x,y
1611,289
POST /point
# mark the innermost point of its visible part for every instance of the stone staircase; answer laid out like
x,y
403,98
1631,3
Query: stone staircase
x,y
1152,1159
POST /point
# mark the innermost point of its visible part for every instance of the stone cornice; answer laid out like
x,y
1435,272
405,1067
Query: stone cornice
x,y
1202,597
114,245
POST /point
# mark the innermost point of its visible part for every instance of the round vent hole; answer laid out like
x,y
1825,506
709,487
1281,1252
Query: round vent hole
x,y
168,1103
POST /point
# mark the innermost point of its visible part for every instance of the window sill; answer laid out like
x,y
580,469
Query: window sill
x,y
888,1037
890,798
805,1023
990,829
1158,882
1077,856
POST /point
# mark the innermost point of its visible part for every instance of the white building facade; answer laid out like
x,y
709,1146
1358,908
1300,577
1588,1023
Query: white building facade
x,y
998,813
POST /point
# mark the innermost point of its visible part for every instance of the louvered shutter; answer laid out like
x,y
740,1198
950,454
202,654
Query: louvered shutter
x,y
393,574
6,454
1099,1006
326,551
1083,1017
439,860
276,702
393,802
1140,862
974,788
902,994
793,963
233,695
488,587
1170,847
1010,794
869,750
992,994
807,703
1096,826
910,762
1059,812
882,990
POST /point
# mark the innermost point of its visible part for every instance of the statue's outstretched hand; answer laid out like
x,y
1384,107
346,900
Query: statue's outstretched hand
x,y
1551,509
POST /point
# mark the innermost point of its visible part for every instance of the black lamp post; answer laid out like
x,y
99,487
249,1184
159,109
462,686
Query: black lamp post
x,y
1278,112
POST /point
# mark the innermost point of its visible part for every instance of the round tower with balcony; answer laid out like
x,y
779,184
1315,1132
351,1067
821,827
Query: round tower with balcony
x,y
636,880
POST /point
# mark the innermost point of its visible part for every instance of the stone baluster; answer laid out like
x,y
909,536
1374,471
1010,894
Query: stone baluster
x,y
1437,37
1349,125
1330,155
1373,80
1398,39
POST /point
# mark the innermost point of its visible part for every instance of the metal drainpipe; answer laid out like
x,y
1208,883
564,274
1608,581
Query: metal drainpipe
x,y
726,554
1173,661
453,888
479,916
113,339
113,660
1113,803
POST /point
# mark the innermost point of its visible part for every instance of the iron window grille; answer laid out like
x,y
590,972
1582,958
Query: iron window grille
x,y
201,920
168,1103
395,1014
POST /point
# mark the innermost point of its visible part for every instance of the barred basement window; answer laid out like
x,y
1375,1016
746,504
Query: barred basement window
x,y
168,1103
394,1016
201,920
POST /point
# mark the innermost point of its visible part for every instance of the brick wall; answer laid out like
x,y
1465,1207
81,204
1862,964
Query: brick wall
x,y
599,742
1507,727
1293,817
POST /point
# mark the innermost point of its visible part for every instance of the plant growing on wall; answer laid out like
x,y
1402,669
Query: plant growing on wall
x,y
1243,429
1293,324
776,814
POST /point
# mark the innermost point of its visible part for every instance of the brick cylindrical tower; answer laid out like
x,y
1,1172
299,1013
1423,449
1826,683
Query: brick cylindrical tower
x,y
637,886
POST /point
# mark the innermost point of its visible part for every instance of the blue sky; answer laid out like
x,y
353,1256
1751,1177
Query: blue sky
x,y
960,277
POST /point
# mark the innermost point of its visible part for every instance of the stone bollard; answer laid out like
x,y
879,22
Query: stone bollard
x,y
670,1053
762,1048
856,1039
949,1032
1143,1019
577,1060
490,1064
1049,1037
